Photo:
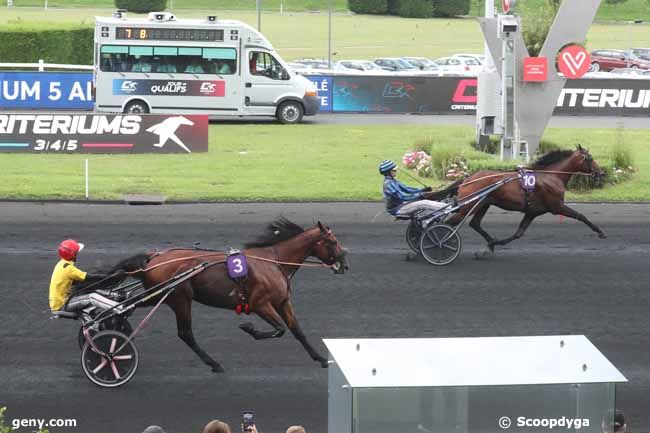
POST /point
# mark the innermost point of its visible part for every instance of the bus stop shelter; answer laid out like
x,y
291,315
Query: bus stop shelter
x,y
470,385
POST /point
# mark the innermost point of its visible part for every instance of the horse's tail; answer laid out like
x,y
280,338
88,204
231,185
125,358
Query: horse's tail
x,y
451,190
134,264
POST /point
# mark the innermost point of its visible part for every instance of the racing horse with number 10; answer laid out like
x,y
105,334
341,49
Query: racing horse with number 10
x,y
552,173
272,260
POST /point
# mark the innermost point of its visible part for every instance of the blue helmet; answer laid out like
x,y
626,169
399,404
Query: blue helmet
x,y
386,166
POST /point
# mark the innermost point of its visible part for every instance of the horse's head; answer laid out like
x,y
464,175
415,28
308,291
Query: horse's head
x,y
328,249
586,163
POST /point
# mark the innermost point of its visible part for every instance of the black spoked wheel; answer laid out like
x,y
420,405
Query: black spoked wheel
x,y
440,244
111,360
116,323
413,235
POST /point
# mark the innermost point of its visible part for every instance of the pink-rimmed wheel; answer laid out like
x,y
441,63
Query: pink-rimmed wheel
x,y
110,359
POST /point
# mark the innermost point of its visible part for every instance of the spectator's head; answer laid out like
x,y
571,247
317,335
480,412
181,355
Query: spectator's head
x,y
296,429
154,429
216,426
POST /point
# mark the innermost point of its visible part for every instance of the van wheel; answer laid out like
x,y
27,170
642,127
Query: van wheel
x,y
290,112
136,107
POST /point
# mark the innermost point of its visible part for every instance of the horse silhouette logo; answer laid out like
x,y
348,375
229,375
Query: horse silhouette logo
x,y
166,130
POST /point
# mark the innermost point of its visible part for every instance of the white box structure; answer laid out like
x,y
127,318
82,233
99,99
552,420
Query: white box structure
x,y
470,385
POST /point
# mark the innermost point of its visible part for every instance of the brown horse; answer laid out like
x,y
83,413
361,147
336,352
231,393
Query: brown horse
x,y
272,259
553,172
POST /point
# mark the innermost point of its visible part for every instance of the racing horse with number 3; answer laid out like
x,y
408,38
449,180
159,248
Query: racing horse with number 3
x,y
542,190
271,262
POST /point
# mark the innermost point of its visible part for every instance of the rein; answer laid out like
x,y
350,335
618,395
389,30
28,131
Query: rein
x,y
504,173
263,259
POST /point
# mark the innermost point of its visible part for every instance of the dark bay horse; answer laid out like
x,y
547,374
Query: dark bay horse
x,y
272,259
553,172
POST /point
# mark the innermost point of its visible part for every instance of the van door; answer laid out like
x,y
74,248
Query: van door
x,y
265,81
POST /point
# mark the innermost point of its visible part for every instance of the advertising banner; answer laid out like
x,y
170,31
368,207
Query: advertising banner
x,y
46,90
169,87
455,95
97,133
403,94
605,97
324,87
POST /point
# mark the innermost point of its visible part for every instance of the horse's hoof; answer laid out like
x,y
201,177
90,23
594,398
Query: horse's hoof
x,y
218,369
602,235
483,254
247,327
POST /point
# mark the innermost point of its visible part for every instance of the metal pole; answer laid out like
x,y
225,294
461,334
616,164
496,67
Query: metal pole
x,y
629,43
329,34
258,5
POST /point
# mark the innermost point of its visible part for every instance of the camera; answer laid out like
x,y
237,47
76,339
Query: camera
x,y
507,24
247,420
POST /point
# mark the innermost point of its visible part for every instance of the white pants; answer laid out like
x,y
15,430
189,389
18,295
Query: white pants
x,y
94,299
414,206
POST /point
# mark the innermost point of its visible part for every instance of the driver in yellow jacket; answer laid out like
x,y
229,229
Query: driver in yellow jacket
x,y
65,274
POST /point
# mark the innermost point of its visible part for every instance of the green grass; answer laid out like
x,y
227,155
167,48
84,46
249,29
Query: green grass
x,y
361,36
629,10
214,5
275,162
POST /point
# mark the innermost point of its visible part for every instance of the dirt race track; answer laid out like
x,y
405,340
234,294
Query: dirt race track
x,y
559,279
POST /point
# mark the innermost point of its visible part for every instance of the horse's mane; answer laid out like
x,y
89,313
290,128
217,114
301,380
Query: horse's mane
x,y
551,158
277,231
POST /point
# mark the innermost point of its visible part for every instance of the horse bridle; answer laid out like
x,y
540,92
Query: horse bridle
x,y
330,245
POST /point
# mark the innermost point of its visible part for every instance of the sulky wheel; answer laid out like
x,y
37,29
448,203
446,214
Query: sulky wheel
x,y
413,234
440,244
111,360
116,323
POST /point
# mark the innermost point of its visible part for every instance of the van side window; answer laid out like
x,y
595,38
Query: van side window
x,y
168,59
261,63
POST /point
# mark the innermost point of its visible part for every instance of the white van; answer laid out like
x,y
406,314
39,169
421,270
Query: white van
x,y
217,67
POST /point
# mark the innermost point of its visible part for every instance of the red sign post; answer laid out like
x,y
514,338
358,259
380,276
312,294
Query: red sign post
x,y
535,69
573,61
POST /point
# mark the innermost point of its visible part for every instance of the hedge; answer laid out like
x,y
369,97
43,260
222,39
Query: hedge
x,y
141,6
72,46
450,8
377,7
415,8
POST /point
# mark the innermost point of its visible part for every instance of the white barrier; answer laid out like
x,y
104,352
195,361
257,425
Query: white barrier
x,y
41,66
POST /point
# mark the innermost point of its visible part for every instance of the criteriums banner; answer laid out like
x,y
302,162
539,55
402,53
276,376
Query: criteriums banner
x,y
97,133
456,95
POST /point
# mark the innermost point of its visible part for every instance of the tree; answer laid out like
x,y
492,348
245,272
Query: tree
x,y
554,4
535,25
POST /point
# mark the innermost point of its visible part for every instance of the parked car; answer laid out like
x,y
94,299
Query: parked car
x,y
478,57
606,60
358,65
459,66
395,64
642,53
314,63
422,63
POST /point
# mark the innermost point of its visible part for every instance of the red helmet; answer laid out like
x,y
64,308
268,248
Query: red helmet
x,y
69,248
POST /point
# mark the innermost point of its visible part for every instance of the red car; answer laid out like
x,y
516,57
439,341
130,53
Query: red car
x,y
606,60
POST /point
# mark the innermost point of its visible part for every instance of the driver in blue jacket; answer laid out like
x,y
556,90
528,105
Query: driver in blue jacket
x,y
401,199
